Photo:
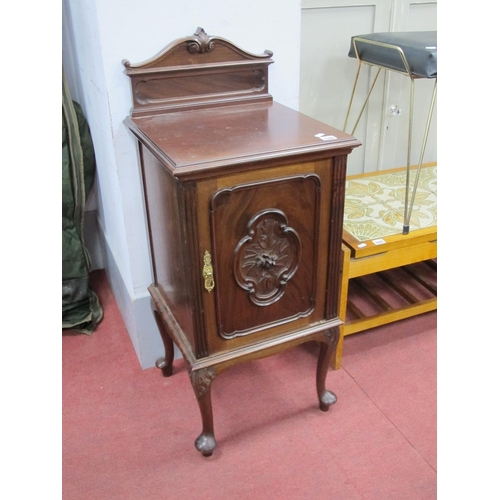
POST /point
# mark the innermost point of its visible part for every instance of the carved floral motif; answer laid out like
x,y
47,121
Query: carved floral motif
x,y
268,257
332,336
203,44
201,380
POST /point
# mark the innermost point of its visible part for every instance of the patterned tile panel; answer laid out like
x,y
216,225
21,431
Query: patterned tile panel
x,y
374,205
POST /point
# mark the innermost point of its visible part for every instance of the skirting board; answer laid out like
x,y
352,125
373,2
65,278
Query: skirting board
x,y
92,240
136,313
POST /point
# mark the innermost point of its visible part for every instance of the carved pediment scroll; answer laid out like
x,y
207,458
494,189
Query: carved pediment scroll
x,y
198,71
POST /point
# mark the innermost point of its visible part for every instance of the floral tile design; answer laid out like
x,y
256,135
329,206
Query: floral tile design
x,y
374,205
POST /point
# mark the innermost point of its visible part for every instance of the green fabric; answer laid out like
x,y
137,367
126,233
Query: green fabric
x,y
81,310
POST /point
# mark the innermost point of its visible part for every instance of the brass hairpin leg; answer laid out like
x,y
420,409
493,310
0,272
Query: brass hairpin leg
x,y
364,104
409,205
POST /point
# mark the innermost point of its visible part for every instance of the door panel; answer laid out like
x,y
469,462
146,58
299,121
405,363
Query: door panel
x,y
327,74
410,15
265,241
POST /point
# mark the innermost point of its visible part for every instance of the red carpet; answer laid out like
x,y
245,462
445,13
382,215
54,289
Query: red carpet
x,y
129,433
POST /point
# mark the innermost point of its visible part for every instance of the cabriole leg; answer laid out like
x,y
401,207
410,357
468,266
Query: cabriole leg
x,y
201,380
327,349
165,363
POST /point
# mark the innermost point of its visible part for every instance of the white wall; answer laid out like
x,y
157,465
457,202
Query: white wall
x,y
97,35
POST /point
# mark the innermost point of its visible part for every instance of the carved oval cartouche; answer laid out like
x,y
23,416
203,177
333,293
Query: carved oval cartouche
x,y
267,257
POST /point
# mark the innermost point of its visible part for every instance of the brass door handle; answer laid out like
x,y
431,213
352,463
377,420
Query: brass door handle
x,y
208,272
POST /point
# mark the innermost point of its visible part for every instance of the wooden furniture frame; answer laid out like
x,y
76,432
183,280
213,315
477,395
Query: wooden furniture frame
x,y
399,251
244,201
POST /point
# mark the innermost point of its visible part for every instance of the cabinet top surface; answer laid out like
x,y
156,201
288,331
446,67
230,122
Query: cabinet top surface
x,y
214,137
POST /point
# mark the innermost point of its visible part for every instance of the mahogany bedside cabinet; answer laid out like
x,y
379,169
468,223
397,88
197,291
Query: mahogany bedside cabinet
x,y
244,200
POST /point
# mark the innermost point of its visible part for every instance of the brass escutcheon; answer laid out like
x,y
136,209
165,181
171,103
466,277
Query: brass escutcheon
x,y
208,272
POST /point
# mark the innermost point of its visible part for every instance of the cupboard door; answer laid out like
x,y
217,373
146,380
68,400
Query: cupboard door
x,y
265,242
327,74
409,15
327,77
